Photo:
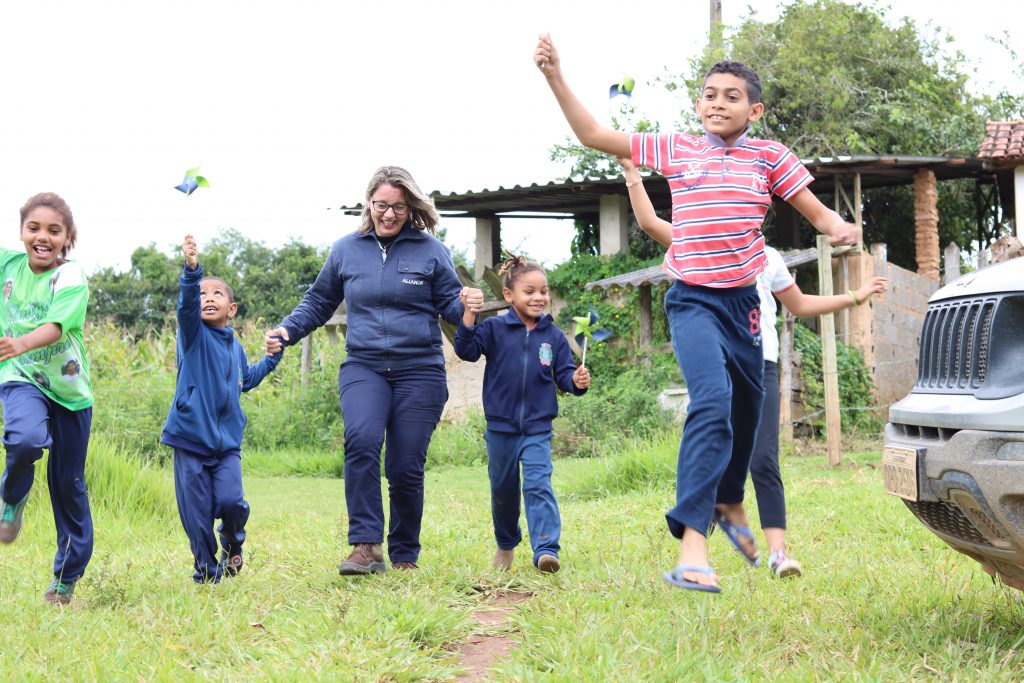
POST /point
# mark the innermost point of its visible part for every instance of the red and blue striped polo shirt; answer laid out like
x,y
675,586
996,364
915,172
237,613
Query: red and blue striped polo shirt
x,y
720,196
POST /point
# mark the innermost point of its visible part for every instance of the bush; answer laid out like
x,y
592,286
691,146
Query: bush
x,y
134,380
617,410
856,401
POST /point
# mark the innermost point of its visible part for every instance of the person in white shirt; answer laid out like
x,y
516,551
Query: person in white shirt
x,y
774,281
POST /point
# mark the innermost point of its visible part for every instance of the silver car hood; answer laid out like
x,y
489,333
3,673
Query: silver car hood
x,y
1000,278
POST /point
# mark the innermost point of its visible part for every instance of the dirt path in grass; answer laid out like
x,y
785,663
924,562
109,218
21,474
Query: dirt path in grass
x,y
482,649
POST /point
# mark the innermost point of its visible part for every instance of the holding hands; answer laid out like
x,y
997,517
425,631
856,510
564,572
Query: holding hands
x,y
581,378
472,299
191,252
472,302
274,340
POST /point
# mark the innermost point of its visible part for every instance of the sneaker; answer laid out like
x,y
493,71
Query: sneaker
x,y
503,559
784,567
406,566
59,592
548,563
233,563
10,520
366,558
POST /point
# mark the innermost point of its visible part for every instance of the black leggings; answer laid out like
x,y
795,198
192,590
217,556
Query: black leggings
x,y
764,463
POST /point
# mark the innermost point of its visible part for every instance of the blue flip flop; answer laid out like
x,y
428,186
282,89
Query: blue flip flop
x,y
675,577
733,532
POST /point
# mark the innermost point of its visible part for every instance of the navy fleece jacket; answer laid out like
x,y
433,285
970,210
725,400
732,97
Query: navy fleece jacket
x,y
213,371
392,303
523,369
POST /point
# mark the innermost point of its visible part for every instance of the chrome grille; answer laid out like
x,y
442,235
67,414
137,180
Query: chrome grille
x,y
954,345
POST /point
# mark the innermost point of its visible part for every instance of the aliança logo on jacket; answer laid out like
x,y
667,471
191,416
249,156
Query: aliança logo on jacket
x,y
545,354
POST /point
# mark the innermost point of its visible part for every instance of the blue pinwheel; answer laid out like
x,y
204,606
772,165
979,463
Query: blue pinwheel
x,y
623,87
192,181
585,329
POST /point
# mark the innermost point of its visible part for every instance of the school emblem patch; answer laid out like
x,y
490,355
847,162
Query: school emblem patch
x,y
545,354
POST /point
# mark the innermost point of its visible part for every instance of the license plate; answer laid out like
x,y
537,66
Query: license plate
x,y
899,470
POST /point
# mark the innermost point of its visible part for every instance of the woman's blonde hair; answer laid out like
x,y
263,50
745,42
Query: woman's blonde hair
x,y
421,208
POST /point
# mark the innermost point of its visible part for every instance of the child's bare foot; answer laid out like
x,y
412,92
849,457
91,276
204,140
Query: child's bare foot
x,y
733,520
503,559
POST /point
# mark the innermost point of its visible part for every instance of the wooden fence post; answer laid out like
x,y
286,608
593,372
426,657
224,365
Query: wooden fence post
x,y
829,364
786,378
307,359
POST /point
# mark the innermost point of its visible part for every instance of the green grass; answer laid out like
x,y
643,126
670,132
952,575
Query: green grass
x,y
881,598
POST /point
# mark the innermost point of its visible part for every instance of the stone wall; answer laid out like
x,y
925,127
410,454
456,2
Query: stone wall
x,y
888,329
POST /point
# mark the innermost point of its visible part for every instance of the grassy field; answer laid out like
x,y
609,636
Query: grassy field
x,y
881,599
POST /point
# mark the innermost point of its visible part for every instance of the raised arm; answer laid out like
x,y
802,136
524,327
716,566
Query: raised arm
x,y
806,305
825,220
189,310
583,124
660,230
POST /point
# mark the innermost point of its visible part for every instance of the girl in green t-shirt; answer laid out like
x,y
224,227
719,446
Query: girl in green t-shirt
x,y
45,390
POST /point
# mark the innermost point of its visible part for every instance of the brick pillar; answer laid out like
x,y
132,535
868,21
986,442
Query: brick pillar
x,y
926,224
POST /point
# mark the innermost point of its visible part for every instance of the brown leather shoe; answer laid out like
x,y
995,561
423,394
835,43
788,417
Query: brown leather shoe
x,y
366,558
548,563
407,566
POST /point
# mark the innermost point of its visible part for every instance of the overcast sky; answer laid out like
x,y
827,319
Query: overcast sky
x,y
288,107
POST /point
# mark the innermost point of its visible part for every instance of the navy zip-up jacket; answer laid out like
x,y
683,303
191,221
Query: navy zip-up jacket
x,y
393,299
213,371
523,369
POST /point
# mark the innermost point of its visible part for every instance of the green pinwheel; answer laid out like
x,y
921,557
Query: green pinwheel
x,y
192,181
586,329
623,87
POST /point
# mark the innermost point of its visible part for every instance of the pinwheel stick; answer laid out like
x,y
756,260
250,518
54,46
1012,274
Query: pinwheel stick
x,y
583,362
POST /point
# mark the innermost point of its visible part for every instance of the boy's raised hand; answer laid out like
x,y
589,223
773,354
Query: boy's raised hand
x,y
191,252
545,56
844,234
581,378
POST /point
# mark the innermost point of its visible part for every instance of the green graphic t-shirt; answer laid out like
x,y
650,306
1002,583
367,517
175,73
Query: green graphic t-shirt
x,y
60,296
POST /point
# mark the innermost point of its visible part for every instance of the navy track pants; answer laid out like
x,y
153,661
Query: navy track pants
x,y
209,487
33,422
716,336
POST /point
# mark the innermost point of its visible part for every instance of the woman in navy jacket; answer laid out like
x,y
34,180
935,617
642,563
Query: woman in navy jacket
x,y
396,279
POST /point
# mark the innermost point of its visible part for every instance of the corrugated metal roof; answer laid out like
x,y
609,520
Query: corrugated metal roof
x,y
580,196
655,275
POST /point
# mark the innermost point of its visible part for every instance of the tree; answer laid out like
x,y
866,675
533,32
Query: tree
x,y
267,283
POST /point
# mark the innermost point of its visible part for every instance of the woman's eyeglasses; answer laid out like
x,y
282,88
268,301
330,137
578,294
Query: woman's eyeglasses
x,y
382,207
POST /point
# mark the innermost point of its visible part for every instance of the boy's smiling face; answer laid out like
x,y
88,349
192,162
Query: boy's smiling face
x,y
215,303
725,108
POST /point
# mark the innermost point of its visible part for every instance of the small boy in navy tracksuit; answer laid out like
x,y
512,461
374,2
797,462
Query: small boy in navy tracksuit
x,y
205,423
527,359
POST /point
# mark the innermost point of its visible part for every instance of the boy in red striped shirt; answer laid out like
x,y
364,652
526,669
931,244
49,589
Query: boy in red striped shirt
x,y
722,185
